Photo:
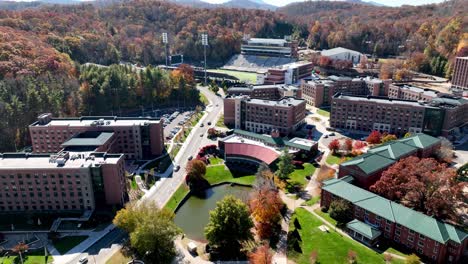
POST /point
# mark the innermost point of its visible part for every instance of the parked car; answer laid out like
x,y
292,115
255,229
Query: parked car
x,y
331,134
201,135
209,123
190,158
176,168
202,125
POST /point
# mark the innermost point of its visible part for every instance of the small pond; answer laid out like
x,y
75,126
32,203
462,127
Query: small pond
x,y
193,215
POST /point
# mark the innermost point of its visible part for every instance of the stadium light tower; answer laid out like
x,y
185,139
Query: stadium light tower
x,y
205,44
165,41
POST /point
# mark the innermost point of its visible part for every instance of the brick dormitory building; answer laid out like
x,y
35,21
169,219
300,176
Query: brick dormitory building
x,y
377,218
264,108
77,164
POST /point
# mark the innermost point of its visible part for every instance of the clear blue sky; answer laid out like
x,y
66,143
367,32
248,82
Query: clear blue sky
x,y
385,2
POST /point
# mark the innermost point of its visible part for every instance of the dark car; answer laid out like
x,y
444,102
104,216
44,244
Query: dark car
x,y
190,158
209,123
202,125
177,168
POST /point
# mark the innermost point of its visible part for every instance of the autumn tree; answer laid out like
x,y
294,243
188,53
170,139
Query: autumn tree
x,y
20,248
334,145
152,231
285,166
358,145
374,137
348,144
228,226
196,169
387,138
422,184
265,207
261,255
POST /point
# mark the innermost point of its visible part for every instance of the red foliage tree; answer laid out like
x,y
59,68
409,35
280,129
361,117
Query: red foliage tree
x,y
374,137
334,145
422,184
261,255
358,145
348,145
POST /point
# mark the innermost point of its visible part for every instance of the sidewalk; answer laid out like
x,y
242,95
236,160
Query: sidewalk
x,y
79,249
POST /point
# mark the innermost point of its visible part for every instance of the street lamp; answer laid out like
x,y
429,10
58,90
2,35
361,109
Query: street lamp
x,y
205,44
165,41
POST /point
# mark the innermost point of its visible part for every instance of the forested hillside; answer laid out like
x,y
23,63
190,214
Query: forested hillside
x,y
433,33
42,48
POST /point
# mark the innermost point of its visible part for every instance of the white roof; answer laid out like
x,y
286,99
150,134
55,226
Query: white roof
x,y
20,162
77,122
338,50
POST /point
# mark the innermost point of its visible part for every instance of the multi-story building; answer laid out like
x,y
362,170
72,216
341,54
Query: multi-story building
x,y
444,115
366,169
269,47
136,137
263,116
319,92
460,74
66,181
288,74
375,216
408,92
267,92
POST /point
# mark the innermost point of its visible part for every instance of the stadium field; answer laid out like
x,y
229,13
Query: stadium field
x,y
248,77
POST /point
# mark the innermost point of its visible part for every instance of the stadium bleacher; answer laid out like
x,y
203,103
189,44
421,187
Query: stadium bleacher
x,y
253,63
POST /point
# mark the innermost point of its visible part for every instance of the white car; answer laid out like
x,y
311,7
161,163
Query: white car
x,y
83,260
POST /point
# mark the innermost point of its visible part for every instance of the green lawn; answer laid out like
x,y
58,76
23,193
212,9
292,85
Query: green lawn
x,y
220,122
323,112
299,174
133,184
242,76
175,149
63,245
203,99
325,216
220,173
180,193
312,201
334,159
215,161
33,258
331,246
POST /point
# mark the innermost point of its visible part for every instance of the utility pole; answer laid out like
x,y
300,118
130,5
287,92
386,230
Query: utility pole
x,y
205,44
165,41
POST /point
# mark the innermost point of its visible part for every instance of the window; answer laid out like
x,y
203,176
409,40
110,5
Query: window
x,y
410,238
411,231
421,243
421,237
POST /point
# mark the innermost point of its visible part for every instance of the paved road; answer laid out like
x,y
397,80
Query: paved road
x,y
163,190
102,250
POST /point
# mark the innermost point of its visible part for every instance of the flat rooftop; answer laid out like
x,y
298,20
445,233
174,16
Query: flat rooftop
x,y
380,100
98,121
285,102
89,138
415,89
267,41
26,161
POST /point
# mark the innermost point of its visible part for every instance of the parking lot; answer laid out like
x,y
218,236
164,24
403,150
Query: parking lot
x,y
173,126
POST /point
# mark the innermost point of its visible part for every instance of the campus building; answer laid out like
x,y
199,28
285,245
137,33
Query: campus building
x,y
267,92
288,74
408,92
135,137
247,147
343,54
319,92
460,75
445,115
366,169
65,181
269,47
263,116
377,218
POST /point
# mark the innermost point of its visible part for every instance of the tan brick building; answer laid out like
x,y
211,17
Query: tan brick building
x,y
460,74
137,138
